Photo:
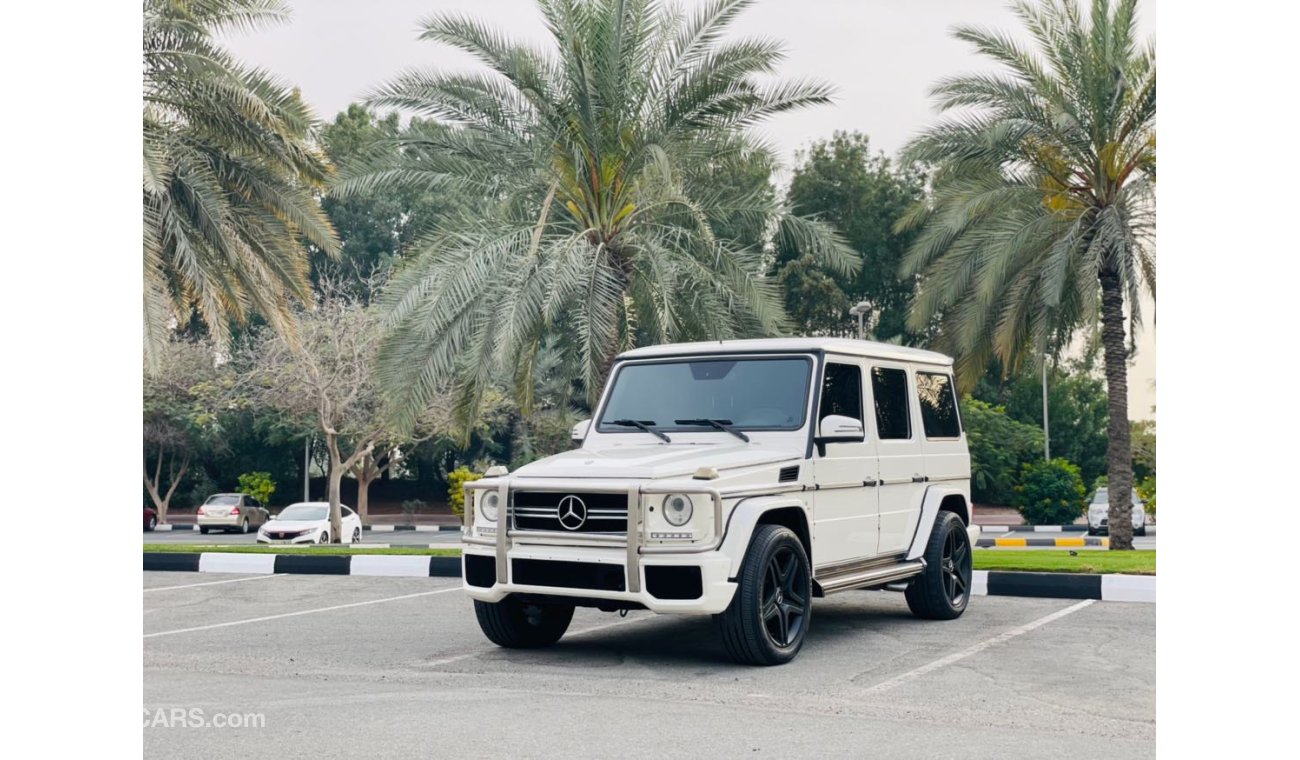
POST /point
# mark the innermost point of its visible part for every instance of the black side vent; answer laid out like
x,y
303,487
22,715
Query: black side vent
x,y
789,474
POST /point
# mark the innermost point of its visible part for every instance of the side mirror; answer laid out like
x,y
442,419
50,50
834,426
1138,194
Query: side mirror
x,y
270,515
579,433
836,428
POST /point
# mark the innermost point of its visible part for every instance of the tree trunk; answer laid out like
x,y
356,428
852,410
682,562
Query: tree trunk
x,y
1119,452
335,488
364,479
161,501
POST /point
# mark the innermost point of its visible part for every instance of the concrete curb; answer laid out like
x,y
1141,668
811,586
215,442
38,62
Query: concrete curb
x,y
985,543
1151,529
1107,588
375,528
405,565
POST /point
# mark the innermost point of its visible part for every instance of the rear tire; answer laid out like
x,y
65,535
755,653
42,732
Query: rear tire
x,y
153,523
942,591
512,624
243,527
768,618
204,531
1141,531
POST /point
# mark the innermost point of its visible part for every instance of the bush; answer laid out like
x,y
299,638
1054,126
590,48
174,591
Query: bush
x,y
1147,490
258,485
999,448
1050,493
456,480
411,506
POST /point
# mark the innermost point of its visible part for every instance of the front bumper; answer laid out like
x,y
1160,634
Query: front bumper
x,y
600,575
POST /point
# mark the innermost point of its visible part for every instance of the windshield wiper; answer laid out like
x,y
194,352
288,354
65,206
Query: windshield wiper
x,y
723,425
643,425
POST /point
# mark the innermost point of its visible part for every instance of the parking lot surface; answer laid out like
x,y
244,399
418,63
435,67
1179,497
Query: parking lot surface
x,y
388,667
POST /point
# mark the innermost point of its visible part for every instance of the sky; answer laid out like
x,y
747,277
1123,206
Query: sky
x,y
881,56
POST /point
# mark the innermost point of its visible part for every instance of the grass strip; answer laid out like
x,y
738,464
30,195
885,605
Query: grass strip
x,y
1061,561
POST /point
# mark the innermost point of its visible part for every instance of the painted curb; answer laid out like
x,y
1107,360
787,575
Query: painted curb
x,y
1151,529
1107,588
408,566
418,528
985,543
375,528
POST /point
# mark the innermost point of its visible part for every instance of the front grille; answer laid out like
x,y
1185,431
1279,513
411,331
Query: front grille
x,y
280,535
570,512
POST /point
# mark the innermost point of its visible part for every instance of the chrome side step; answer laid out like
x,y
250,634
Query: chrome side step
x,y
873,576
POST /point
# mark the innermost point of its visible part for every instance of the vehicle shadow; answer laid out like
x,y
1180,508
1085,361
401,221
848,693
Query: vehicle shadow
x,y
677,643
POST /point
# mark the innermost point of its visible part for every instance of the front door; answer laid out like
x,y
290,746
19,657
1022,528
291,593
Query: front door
x,y
846,521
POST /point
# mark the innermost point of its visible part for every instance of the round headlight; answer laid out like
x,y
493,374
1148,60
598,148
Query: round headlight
x,y
488,505
678,509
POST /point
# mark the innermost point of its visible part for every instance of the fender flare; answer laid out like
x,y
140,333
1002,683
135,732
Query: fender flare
x,y
934,496
742,520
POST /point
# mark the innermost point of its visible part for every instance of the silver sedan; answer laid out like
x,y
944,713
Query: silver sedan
x,y
231,512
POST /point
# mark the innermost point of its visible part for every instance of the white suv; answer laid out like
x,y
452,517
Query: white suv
x,y
737,479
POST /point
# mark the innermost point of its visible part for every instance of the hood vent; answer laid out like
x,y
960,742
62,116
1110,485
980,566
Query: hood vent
x,y
789,474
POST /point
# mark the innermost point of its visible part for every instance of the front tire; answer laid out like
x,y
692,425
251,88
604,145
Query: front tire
x,y
324,537
1140,531
356,535
942,591
204,531
153,523
512,624
767,619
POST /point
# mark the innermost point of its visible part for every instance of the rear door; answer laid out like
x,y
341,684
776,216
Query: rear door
x,y
846,519
901,460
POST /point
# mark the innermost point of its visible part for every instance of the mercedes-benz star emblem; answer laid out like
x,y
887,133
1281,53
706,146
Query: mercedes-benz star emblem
x,y
571,512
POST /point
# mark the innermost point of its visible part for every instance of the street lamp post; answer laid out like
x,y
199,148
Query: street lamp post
x,y
1047,438
860,312
306,469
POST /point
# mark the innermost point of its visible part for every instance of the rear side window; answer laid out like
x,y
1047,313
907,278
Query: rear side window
x,y
938,405
842,391
889,386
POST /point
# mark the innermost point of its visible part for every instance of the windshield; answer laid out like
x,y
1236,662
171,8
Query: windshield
x,y
752,394
223,500
304,512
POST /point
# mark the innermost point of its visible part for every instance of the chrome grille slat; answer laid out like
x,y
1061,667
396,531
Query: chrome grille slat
x,y
537,511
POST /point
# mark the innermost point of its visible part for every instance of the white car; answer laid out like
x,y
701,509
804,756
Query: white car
x,y
1099,513
737,479
308,522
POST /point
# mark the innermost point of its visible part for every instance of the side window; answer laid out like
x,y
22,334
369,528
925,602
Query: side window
x,y
889,386
842,391
938,405
347,512
253,502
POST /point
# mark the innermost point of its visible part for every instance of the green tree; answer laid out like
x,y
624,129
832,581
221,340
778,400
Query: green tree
x,y
999,448
1043,211
604,220
230,176
259,485
377,226
1144,449
177,423
1076,406
863,194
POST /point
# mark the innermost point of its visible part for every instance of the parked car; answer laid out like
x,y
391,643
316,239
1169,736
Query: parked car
x,y
231,512
738,479
308,522
1099,513
150,519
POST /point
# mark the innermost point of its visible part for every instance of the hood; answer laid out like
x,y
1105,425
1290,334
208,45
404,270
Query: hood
x,y
655,460
290,526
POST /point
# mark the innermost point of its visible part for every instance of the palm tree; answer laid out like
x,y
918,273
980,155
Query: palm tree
x,y
230,176
603,215
1042,218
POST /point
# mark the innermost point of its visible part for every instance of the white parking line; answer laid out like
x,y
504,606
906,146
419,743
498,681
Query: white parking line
x,y
214,583
300,612
977,648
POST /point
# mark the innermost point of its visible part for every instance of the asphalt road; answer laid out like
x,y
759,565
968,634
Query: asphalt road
x,y
395,667
394,538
